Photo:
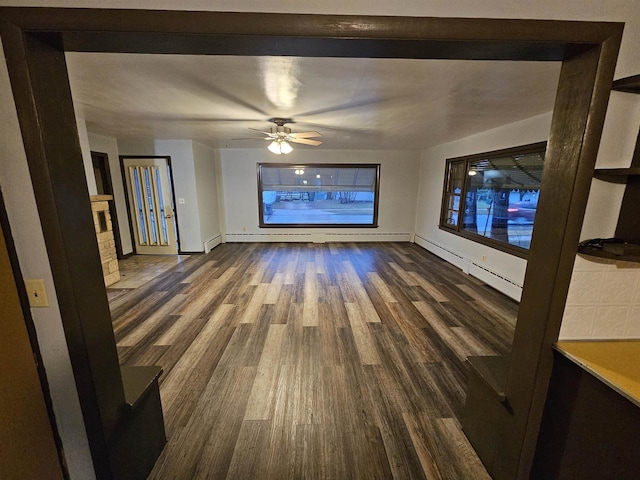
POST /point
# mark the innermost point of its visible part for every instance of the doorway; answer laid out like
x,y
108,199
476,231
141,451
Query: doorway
x,y
34,41
149,193
104,186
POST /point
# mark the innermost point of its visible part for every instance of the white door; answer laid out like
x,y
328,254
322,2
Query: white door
x,y
151,203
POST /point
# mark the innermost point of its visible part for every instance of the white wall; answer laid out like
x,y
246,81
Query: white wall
x,y
83,136
184,183
205,160
396,211
604,296
501,270
109,145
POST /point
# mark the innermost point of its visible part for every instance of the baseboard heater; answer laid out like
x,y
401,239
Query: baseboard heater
x,y
506,285
318,237
212,243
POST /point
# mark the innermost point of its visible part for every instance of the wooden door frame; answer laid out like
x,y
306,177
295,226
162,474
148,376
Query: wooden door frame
x,y
126,196
112,203
35,40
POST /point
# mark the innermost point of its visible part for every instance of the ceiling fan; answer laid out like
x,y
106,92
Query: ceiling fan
x,y
281,137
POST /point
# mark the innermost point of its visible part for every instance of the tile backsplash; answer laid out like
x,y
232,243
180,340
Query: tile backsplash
x,y
603,301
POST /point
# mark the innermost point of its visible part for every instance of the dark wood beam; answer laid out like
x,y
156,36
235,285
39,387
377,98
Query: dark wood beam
x,y
47,121
576,129
231,33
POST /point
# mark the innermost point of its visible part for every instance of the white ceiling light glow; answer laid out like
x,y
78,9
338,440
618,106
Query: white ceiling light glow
x,y
285,147
281,80
280,146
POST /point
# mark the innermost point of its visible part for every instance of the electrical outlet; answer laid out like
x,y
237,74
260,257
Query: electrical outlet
x,y
484,258
37,293
244,229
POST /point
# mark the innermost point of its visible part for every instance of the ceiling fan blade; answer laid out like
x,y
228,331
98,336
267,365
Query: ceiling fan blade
x,y
337,129
305,134
205,119
346,106
306,141
252,138
261,131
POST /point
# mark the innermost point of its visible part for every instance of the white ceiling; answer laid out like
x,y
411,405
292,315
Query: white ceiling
x,y
354,103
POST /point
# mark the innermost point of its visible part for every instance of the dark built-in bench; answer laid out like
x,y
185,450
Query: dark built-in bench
x,y
486,404
140,436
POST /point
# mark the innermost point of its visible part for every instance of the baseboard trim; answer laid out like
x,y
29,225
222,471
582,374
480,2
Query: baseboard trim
x,y
317,237
508,286
212,243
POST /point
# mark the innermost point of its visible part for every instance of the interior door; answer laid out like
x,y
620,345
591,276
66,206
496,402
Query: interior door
x,y
151,202
27,446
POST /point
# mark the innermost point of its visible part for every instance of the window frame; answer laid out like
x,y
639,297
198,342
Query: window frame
x,y
376,191
466,160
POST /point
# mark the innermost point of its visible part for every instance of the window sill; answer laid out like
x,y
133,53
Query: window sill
x,y
489,242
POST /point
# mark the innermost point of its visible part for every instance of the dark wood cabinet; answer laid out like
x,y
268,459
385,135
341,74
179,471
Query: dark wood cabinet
x,y
589,431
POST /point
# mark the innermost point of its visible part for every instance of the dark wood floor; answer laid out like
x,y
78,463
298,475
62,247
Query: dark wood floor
x,y
313,361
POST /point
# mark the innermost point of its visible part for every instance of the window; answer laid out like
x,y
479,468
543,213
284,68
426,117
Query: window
x,y
492,197
314,195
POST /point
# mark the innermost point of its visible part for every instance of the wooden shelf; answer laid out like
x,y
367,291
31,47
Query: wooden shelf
x,y
628,84
597,252
616,175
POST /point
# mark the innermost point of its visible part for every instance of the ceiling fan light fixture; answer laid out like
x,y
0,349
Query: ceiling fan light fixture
x,y
285,147
281,137
274,147
280,146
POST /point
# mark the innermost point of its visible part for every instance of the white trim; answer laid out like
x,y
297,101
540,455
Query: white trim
x,y
318,237
506,285
212,243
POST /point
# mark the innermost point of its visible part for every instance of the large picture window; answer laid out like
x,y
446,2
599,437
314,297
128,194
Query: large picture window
x,y
313,195
492,197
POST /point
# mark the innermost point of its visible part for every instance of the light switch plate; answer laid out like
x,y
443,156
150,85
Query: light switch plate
x,y
37,293
181,201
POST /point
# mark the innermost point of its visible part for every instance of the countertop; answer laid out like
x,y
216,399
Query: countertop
x,y
616,363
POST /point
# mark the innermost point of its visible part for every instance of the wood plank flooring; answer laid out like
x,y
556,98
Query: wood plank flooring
x,y
317,361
